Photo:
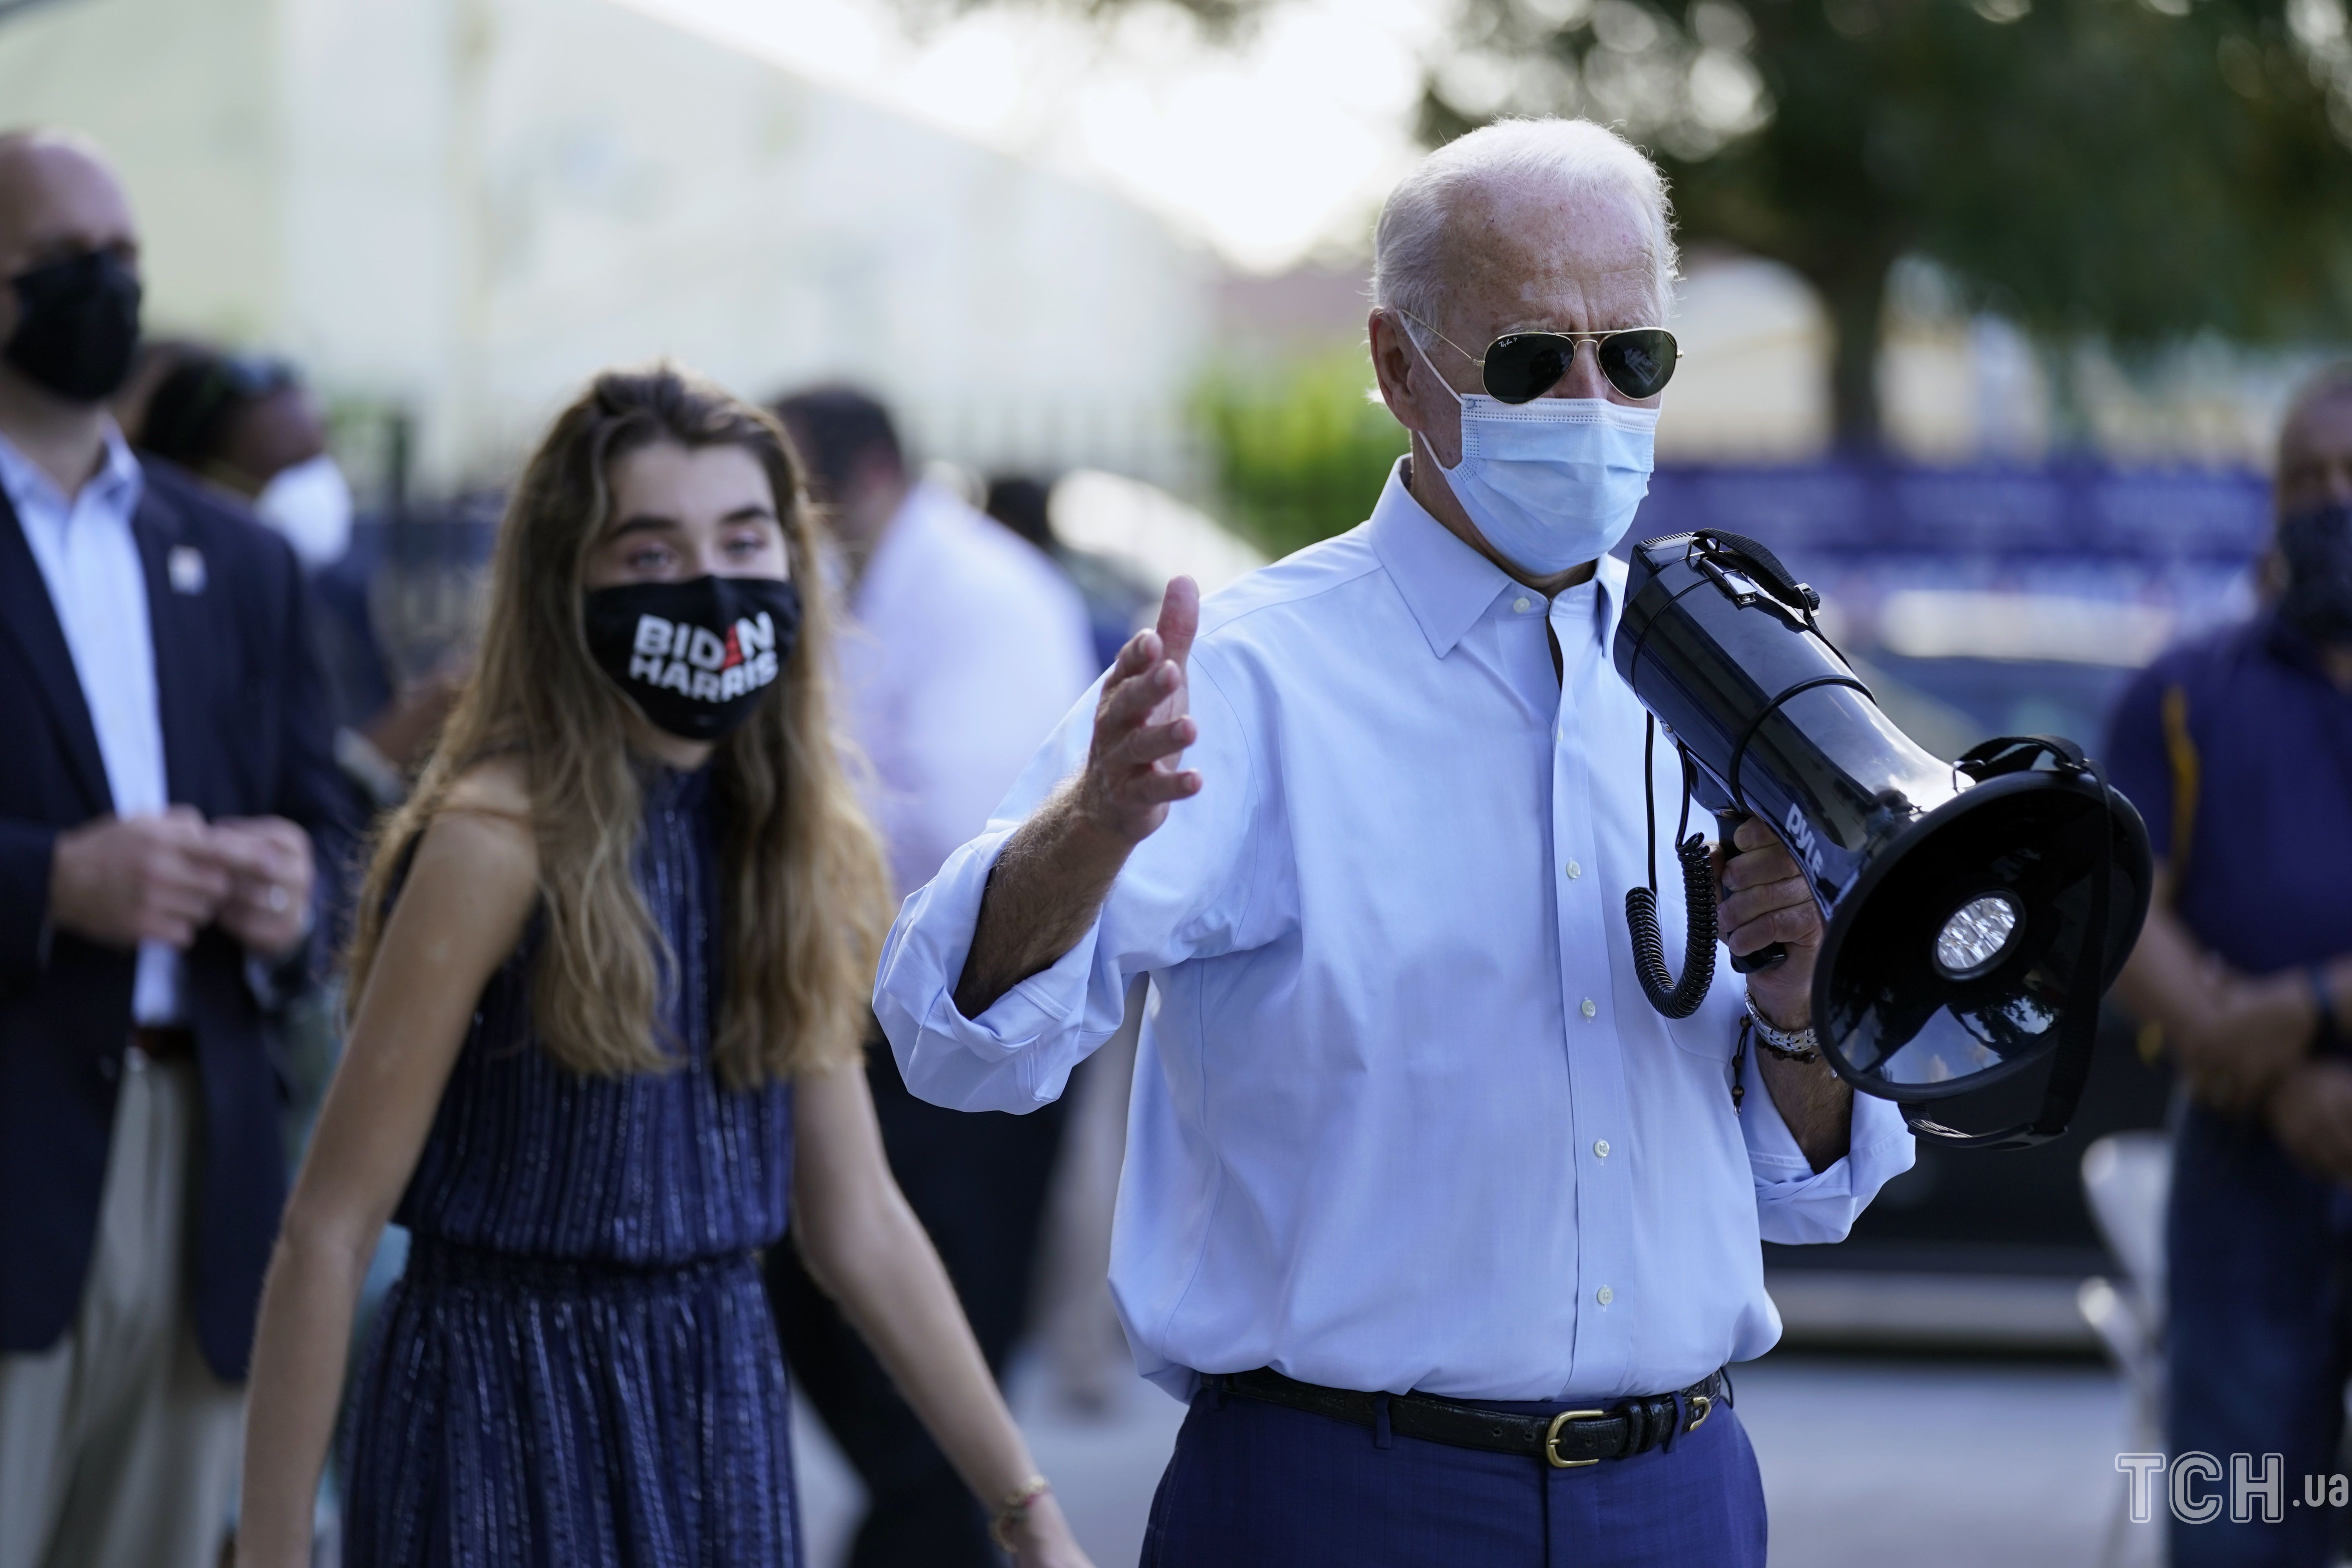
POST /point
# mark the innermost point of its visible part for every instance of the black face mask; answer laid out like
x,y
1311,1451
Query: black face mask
x,y
77,324
2317,544
694,657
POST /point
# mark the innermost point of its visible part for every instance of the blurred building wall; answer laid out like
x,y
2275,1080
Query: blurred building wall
x,y
459,208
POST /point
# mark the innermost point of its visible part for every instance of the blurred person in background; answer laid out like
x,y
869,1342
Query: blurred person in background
x,y
251,426
611,974
965,647
254,428
2238,749
167,793
1445,1232
1116,603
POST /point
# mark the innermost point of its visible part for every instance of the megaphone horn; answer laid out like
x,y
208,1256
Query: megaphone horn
x,y
1975,910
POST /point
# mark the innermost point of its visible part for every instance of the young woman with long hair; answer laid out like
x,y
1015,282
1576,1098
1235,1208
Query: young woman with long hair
x,y
610,982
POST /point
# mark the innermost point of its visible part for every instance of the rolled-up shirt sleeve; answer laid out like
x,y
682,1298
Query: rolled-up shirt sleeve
x,y
1797,1205
1187,892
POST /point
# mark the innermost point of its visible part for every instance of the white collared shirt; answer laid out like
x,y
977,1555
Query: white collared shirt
x,y
966,646
89,558
1402,1116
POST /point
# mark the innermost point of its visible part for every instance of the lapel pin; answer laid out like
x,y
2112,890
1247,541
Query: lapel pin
x,y
185,568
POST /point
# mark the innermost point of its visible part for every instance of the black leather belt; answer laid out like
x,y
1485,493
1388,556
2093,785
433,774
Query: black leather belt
x,y
1565,1439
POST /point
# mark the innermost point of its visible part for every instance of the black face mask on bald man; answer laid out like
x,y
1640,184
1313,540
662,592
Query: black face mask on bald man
x,y
2317,544
694,657
76,325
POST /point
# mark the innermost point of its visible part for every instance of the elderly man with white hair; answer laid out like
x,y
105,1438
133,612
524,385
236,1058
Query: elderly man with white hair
x,y
1445,1232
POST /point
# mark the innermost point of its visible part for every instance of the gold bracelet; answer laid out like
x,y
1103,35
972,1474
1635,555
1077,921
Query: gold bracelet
x,y
1016,1505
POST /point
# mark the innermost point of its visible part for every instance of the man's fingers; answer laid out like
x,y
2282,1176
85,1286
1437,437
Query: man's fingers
x,y
1753,833
1755,868
1781,925
179,904
1132,701
209,872
174,916
1140,653
1180,618
1146,746
1152,787
236,855
1753,903
176,933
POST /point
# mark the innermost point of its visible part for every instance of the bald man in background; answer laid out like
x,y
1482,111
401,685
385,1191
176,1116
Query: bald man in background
x,y
168,779
2238,747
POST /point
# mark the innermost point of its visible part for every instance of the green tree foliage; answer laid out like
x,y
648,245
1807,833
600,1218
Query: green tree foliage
x,y
2132,171
1299,452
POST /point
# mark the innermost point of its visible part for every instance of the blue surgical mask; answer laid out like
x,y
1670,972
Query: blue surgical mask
x,y
1553,483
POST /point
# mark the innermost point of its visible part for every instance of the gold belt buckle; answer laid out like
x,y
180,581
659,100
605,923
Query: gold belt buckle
x,y
1704,1403
1551,1439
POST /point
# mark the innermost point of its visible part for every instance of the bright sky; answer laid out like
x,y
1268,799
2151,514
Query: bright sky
x,y
1266,147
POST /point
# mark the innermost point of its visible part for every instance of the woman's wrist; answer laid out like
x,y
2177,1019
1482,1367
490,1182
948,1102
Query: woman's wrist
x,y
1018,1507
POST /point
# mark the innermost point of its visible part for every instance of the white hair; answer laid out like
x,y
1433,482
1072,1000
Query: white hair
x,y
1574,157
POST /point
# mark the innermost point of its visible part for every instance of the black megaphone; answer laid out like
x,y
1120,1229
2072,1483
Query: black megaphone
x,y
1975,910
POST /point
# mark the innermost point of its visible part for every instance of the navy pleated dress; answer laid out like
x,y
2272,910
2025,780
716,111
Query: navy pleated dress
x,y
579,1368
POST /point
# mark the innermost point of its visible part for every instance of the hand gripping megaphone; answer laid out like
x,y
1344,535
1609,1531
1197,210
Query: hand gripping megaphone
x,y
1975,910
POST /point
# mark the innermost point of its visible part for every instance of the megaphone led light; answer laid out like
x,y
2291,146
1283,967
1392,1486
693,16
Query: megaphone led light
x,y
1976,936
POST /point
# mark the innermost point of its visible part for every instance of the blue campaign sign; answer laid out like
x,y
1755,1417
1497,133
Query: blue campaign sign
x,y
2082,509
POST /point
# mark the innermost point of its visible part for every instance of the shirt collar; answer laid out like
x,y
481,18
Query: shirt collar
x,y
1446,585
116,485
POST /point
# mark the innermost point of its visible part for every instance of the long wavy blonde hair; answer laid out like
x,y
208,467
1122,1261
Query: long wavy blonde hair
x,y
805,894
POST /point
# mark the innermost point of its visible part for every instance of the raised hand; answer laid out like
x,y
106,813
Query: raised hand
x,y
1058,866
1142,724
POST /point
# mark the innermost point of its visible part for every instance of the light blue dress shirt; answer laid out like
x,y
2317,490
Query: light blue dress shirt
x,y
88,559
1402,1116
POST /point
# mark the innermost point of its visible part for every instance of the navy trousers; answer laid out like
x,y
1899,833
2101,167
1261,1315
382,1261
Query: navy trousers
x,y
2261,1341
1255,1485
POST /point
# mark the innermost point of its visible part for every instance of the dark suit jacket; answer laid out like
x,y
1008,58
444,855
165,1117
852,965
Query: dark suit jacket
x,y
244,734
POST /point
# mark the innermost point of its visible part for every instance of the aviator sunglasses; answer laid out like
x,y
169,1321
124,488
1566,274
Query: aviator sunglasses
x,y
1520,367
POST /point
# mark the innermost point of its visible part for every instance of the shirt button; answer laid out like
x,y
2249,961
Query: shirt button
x,y
1605,1295
1574,870
1600,1148
1520,603
1588,1009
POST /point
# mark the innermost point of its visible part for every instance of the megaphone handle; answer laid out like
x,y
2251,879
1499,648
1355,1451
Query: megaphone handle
x,y
1726,823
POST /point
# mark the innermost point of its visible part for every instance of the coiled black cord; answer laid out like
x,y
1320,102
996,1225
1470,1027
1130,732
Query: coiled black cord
x,y
1675,999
